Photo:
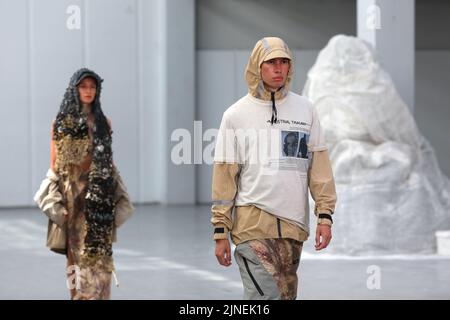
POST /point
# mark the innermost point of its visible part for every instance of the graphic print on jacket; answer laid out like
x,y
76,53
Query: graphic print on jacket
x,y
294,144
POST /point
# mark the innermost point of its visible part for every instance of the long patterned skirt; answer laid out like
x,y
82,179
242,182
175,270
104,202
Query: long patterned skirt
x,y
86,282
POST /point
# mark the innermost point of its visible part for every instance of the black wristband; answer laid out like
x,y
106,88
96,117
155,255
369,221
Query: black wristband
x,y
219,230
325,216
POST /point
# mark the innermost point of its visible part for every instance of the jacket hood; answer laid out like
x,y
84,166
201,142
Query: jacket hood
x,y
266,49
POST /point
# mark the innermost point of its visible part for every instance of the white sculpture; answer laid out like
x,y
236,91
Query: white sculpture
x,y
392,196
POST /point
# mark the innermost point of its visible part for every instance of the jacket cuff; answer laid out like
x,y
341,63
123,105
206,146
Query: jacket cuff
x,y
220,232
322,209
325,218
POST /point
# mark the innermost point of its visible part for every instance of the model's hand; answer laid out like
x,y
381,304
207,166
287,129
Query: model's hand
x,y
323,236
223,252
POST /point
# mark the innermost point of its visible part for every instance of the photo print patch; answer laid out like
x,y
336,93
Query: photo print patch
x,y
294,144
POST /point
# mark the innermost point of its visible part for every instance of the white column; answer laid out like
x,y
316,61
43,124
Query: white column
x,y
177,76
389,26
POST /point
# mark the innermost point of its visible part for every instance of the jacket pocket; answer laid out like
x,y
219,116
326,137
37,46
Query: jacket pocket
x,y
252,277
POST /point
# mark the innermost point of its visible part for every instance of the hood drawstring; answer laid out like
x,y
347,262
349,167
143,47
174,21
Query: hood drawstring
x,y
274,109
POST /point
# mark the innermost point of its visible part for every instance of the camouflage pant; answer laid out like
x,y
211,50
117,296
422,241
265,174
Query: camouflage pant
x,y
268,268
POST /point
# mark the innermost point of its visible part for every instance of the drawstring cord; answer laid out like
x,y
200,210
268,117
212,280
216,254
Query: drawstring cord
x,y
274,108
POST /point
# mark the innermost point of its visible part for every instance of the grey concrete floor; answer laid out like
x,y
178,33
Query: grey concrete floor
x,y
166,252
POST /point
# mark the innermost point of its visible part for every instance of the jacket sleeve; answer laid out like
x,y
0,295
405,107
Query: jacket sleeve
x,y
224,189
50,200
321,183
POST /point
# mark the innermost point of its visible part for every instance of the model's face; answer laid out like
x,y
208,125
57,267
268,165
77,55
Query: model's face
x,y
274,73
87,89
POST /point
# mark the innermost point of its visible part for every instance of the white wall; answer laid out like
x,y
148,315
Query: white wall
x,y
15,107
179,89
389,26
432,112
303,24
38,55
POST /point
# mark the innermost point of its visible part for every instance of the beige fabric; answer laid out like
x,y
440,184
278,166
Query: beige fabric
x,y
324,221
124,207
321,183
50,200
266,49
224,188
252,223
56,237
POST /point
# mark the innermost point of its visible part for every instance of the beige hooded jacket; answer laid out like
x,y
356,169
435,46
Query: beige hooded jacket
x,y
250,222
